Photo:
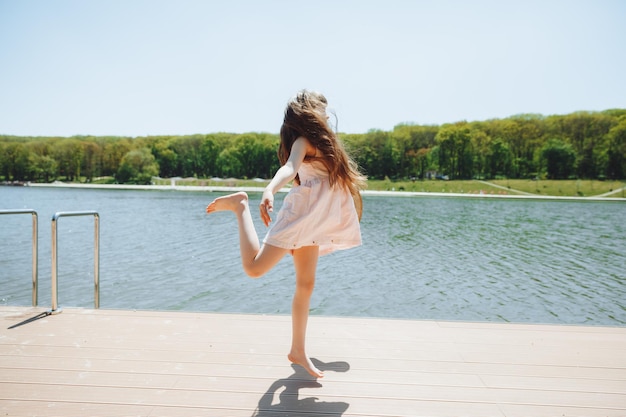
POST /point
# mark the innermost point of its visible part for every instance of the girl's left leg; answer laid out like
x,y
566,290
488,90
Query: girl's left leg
x,y
256,260
305,262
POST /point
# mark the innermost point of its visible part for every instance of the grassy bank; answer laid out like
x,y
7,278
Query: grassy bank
x,y
566,188
576,188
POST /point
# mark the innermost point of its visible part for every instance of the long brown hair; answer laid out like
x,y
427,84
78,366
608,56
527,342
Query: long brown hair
x,y
305,116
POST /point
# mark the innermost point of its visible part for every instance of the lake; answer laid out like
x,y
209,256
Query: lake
x,y
446,258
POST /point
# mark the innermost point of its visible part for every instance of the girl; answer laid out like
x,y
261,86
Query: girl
x,y
319,215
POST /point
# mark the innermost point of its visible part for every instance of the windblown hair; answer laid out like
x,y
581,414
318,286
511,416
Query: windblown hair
x,y
305,116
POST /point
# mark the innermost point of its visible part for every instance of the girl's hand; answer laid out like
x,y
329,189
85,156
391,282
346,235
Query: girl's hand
x,y
266,207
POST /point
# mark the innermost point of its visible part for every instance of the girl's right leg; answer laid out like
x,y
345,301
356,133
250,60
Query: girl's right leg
x,y
305,262
256,259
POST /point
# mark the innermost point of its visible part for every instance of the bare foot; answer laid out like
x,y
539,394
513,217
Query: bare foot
x,y
306,363
230,202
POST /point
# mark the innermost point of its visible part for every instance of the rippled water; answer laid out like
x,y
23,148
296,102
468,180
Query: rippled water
x,y
422,258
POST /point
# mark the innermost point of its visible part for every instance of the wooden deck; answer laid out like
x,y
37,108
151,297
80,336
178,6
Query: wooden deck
x,y
126,363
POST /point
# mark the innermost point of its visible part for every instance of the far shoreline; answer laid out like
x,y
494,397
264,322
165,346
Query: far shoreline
x,y
227,189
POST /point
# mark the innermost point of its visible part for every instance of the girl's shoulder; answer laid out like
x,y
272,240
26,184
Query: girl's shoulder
x,y
311,150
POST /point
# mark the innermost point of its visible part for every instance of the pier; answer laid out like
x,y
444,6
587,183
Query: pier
x,y
85,362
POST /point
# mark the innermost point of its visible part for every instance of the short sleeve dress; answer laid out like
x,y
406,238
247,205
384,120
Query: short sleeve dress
x,y
316,214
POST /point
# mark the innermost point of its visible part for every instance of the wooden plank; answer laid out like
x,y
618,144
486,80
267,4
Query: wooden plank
x,y
101,363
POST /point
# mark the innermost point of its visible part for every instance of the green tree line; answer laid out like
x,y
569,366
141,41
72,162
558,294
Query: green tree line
x,y
590,145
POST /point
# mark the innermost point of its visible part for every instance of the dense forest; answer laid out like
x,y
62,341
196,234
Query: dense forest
x,y
589,145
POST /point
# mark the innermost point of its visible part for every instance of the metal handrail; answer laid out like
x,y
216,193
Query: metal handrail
x,y
96,272
35,283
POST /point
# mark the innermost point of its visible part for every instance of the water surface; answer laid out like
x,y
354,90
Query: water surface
x,y
446,258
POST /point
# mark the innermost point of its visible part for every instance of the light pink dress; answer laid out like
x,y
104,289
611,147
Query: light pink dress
x,y
314,214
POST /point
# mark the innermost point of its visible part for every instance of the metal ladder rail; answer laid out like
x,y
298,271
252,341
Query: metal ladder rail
x,y
35,280
96,273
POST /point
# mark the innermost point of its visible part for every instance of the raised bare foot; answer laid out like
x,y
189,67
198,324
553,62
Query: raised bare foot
x,y
306,363
230,202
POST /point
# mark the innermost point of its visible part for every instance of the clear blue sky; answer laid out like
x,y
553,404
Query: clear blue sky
x,y
134,68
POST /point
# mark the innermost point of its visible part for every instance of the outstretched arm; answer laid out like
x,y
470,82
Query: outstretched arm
x,y
283,176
